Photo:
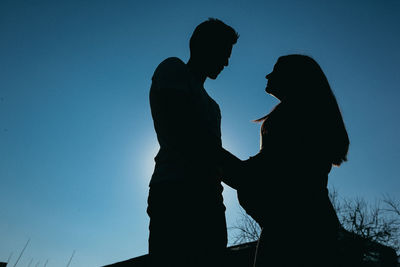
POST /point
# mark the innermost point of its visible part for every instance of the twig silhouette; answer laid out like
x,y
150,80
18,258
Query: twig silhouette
x,y
73,253
22,252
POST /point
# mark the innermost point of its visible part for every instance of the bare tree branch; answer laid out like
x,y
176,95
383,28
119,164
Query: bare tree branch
x,y
378,222
245,229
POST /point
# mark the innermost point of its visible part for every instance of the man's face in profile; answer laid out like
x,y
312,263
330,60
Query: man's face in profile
x,y
217,59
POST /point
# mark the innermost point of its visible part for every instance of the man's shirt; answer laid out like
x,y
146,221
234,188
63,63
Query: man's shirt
x,y
187,122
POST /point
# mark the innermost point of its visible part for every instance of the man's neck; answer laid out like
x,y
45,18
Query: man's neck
x,y
196,70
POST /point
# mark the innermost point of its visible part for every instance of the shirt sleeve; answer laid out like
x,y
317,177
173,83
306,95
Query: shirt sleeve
x,y
172,74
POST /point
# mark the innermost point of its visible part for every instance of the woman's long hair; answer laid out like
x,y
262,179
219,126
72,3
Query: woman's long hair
x,y
310,91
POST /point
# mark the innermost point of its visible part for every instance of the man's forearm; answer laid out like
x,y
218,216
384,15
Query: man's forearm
x,y
232,169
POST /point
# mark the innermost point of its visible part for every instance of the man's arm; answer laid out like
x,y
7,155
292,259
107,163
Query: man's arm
x,y
241,173
232,169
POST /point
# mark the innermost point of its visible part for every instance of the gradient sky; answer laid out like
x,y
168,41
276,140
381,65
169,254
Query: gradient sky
x,y
76,135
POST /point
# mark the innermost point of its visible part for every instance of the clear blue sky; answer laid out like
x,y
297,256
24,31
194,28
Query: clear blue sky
x,y
76,136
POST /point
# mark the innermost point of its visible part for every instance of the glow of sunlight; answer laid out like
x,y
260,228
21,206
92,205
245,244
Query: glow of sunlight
x,y
150,148
145,163
229,144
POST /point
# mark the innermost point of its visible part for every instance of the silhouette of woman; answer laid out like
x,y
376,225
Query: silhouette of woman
x,y
284,186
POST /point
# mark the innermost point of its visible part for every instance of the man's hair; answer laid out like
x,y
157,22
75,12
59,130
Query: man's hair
x,y
212,32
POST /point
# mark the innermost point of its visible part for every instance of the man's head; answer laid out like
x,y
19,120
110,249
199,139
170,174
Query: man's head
x,y
211,46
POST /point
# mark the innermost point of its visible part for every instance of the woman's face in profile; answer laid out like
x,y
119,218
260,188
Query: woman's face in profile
x,y
276,85
282,81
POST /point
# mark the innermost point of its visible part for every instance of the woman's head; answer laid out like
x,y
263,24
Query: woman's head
x,y
296,77
298,81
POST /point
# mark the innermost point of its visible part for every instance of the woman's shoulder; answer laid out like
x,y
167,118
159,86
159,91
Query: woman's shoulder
x,y
280,118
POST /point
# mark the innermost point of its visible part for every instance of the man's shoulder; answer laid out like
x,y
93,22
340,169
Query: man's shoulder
x,y
173,62
171,69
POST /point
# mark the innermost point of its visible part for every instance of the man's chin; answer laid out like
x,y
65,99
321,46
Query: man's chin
x,y
213,76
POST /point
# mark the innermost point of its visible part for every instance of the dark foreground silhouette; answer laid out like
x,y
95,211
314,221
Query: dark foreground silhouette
x,y
355,252
283,187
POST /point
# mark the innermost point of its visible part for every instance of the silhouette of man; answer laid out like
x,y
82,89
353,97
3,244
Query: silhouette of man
x,y
185,204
